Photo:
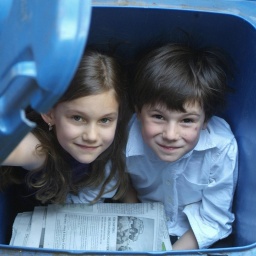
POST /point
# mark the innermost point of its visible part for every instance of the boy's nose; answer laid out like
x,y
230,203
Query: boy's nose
x,y
170,132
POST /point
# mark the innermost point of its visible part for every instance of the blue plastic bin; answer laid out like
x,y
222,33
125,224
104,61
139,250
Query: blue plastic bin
x,y
229,25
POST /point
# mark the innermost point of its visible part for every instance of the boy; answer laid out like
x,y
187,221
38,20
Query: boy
x,y
178,152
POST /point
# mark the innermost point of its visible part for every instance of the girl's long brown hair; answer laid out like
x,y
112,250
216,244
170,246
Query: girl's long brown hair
x,y
96,73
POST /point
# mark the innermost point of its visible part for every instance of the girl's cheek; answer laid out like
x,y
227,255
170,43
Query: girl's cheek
x,y
110,135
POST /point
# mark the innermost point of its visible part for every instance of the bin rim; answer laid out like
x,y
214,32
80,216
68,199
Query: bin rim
x,y
228,7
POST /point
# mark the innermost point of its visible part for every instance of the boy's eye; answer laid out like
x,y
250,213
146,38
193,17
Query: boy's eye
x,y
187,120
156,116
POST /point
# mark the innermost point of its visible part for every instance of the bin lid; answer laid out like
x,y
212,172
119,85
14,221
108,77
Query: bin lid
x,y
41,44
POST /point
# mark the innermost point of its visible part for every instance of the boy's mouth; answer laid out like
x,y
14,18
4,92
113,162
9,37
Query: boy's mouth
x,y
168,147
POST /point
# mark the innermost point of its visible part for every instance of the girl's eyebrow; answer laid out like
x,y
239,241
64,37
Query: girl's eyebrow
x,y
81,113
111,114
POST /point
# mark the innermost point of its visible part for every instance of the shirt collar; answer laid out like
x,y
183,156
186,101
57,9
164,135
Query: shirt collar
x,y
205,140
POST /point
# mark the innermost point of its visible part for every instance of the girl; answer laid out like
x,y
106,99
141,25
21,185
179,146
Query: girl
x,y
75,154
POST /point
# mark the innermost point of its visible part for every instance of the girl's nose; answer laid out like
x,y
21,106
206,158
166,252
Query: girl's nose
x,y
90,133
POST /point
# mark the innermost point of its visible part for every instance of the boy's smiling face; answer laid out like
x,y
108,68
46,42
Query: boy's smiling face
x,y
169,133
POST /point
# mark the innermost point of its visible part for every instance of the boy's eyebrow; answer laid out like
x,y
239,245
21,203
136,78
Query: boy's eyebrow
x,y
192,114
154,109
162,109
157,108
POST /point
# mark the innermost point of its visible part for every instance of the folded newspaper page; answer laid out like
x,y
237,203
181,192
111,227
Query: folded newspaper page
x,y
21,229
103,226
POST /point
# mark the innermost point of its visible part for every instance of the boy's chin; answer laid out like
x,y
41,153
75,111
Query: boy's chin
x,y
168,157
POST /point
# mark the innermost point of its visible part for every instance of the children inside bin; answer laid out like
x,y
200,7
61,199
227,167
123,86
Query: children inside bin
x,y
75,154
178,151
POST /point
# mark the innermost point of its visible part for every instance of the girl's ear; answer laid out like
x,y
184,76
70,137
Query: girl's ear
x,y
48,117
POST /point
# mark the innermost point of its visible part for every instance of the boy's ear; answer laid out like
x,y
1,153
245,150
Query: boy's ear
x,y
137,112
48,117
205,124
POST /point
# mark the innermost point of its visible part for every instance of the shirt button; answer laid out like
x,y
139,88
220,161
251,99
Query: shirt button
x,y
211,180
168,182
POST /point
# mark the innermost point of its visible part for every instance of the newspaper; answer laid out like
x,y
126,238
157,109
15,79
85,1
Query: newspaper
x,y
103,226
21,229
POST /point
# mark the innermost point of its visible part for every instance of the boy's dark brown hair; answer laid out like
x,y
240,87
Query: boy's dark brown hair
x,y
176,74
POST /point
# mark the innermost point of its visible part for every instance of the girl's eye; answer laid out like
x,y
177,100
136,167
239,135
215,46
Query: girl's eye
x,y
77,118
105,120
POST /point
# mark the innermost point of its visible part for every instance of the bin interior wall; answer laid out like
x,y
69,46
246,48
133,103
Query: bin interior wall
x,y
134,29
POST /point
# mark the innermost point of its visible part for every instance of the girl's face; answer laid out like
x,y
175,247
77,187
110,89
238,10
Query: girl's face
x,y
172,134
85,127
